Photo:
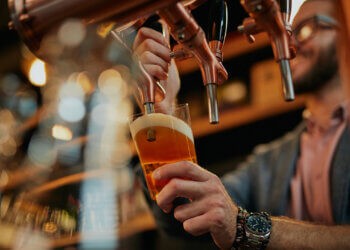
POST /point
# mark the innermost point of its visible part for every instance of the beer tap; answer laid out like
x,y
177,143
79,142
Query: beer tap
x,y
147,86
188,33
265,15
34,19
286,10
216,36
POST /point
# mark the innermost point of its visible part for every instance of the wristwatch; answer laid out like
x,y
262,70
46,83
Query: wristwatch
x,y
253,230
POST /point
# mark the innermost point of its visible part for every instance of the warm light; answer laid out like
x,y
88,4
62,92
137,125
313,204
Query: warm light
x,y
112,84
4,179
37,73
62,133
234,92
84,81
71,33
71,89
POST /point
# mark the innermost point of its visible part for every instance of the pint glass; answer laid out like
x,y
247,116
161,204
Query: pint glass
x,y
160,139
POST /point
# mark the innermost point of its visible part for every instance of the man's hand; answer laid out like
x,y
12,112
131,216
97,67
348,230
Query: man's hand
x,y
153,50
210,208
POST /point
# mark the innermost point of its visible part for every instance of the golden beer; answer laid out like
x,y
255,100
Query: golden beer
x,y
171,141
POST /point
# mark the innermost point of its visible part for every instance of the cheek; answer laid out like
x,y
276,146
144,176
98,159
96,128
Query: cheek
x,y
301,65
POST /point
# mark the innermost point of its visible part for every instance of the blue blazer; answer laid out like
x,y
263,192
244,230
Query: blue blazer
x,y
262,183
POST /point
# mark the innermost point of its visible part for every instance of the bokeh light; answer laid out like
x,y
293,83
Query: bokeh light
x,y
71,33
61,132
41,151
71,109
37,73
112,84
71,89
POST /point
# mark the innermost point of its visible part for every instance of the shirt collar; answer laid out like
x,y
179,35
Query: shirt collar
x,y
337,116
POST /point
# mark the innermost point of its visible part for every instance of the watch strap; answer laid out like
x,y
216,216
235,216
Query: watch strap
x,y
240,232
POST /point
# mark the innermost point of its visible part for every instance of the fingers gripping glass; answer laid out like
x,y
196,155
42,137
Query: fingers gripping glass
x,y
160,138
307,29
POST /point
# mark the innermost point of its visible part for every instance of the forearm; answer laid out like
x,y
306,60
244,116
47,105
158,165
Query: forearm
x,y
288,233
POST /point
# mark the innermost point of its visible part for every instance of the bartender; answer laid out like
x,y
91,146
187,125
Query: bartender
x,y
303,176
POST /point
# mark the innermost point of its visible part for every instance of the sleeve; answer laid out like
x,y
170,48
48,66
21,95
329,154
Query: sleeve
x,y
264,176
238,182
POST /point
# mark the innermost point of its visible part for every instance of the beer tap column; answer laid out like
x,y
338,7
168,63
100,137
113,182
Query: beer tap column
x,y
216,37
187,33
265,15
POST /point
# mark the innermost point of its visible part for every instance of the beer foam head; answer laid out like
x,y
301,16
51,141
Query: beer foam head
x,y
162,120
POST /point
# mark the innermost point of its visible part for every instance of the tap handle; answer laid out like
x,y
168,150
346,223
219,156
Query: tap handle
x,y
286,6
286,10
217,21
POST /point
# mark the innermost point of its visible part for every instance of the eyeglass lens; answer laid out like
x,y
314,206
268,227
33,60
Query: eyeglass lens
x,y
305,32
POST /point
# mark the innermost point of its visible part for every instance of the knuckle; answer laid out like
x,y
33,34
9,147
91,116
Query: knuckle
x,y
158,69
218,203
188,228
216,179
148,44
142,32
174,184
213,188
149,69
178,215
188,165
218,218
159,72
147,56
215,184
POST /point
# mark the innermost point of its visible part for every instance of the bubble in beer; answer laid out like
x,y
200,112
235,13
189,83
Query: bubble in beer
x,y
151,135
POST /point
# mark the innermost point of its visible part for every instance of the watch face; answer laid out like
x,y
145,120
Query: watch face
x,y
258,224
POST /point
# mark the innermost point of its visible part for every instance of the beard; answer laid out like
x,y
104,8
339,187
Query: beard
x,y
325,68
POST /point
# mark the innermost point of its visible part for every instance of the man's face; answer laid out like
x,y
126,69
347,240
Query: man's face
x,y
316,61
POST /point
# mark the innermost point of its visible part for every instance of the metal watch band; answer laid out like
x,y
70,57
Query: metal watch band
x,y
257,242
248,240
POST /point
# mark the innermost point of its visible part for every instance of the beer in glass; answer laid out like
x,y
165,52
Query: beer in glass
x,y
160,139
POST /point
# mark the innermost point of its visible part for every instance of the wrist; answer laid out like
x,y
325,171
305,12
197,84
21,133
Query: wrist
x,y
253,230
240,232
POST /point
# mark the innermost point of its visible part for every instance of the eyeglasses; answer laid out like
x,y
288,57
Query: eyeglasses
x,y
307,29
